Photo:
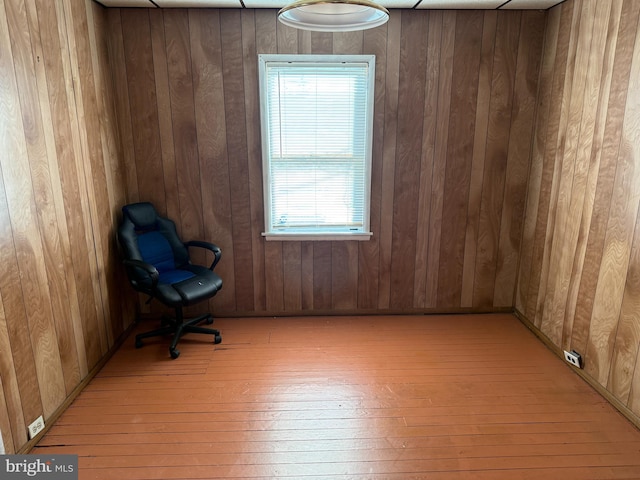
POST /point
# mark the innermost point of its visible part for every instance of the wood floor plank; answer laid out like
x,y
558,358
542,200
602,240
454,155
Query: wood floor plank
x,y
346,397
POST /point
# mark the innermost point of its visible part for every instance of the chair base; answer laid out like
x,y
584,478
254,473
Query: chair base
x,y
178,328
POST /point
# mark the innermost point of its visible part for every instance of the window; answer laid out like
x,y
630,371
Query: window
x,y
316,114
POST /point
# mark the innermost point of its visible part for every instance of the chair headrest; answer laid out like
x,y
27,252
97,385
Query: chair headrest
x,y
143,215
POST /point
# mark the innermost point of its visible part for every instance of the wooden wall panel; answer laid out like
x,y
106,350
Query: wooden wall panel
x,y
389,148
61,183
440,155
587,193
518,158
478,159
462,121
211,133
22,393
254,156
448,178
235,116
24,221
411,91
495,165
535,193
375,42
448,86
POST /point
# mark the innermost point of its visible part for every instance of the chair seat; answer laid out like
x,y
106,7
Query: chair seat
x,y
198,283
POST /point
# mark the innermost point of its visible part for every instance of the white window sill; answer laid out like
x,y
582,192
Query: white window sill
x,y
315,237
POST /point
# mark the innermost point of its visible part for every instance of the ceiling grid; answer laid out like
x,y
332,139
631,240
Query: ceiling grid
x,y
390,4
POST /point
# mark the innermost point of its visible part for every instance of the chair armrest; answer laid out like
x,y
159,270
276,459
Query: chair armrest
x,y
133,272
217,252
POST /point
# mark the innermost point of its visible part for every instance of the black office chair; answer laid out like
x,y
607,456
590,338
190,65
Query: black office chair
x,y
157,264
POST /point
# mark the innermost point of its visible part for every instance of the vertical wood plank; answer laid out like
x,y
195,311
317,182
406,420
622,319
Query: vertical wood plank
x,y
348,43
498,129
292,276
322,275
344,275
606,174
270,35
67,144
185,139
617,244
7,443
232,67
321,43
27,401
254,153
552,122
588,151
143,103
171,207
394,29
445,69
368,252
94,179
211,129
537,161
627,339
518,157
117,314
408,156
464,91
485,75
38,151
571,169
634,394
27,240
122,106
344,255
306,282
429,125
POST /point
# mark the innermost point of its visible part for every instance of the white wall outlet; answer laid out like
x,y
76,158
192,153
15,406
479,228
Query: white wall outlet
x,y
573,358
36,427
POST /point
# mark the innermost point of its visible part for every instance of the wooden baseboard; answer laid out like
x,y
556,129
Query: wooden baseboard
x,y
359,312
621,407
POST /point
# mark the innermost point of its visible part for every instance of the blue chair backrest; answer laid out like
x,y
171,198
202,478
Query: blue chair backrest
x,y
146,236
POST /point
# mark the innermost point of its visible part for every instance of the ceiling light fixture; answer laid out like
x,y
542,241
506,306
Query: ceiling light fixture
x,y
333,15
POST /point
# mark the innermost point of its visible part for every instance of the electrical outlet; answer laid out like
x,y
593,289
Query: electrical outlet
x,y
573,358
36,427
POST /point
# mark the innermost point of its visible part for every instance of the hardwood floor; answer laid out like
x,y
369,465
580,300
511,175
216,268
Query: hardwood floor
x,y
384,397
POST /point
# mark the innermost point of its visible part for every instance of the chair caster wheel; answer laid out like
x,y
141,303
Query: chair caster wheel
x,y
217,339
209,320
174,353
138,343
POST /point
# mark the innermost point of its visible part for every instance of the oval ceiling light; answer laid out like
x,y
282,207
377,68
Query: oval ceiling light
x,y
333,15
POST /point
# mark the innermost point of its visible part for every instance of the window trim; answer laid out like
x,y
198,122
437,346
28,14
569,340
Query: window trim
x,y
361,235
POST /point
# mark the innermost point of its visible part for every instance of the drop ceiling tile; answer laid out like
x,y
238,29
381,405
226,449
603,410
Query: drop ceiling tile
x,y
127,3
198,3
530,4
391,4
265,3
397,3
282,3
459,4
